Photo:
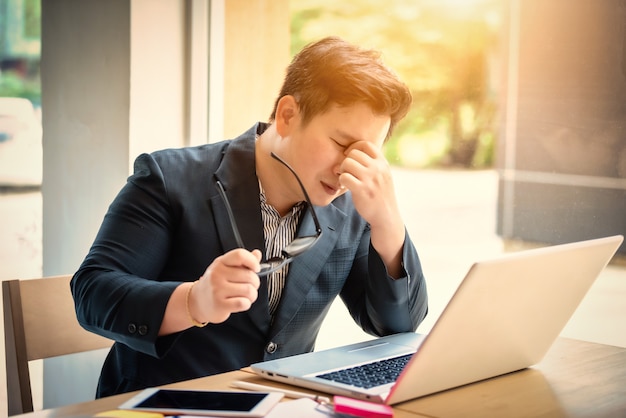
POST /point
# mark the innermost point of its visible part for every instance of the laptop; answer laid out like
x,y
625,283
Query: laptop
x,y
503,317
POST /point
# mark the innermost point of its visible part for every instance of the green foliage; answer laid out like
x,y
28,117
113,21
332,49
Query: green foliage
x,y
443,49
32,18
13,85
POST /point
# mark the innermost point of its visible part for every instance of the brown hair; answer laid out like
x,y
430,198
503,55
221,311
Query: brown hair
x,y
333,71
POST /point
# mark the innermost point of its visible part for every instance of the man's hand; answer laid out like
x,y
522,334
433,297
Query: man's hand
x,y
230,284
366,173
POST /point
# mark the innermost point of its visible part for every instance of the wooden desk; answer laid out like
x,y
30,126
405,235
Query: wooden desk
x,y
576,379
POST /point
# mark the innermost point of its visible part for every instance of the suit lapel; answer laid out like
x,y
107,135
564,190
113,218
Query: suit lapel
x,y
237,175
259,311
307,267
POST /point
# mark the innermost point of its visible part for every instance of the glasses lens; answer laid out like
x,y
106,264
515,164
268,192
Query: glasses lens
x,y
300,245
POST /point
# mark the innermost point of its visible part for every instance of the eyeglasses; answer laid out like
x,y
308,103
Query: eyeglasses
x,y
296,247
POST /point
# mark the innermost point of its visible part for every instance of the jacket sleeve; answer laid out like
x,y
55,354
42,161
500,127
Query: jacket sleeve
x,y
116,289
380,304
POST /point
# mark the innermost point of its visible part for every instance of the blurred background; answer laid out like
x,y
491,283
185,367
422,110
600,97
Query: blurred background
x,y
516,137
446,51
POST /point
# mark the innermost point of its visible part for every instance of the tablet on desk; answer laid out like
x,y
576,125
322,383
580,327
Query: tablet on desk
x,y
203,402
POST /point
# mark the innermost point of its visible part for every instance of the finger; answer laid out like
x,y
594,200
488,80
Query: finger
x,y
354,167
220,280
232,297
356,173
235,276
364,149
349,181
357,157
231,290
229,306
240,257
238,304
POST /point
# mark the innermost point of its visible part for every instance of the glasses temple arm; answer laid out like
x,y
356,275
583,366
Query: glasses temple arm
x,y
306,195
231,217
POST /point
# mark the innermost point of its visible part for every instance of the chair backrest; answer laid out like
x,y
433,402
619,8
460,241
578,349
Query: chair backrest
x,y
39,322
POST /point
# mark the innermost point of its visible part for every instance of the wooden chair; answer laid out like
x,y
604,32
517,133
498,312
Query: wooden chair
x,y
39,322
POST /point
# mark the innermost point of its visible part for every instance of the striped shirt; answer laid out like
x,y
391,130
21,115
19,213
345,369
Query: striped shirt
x,y
278,232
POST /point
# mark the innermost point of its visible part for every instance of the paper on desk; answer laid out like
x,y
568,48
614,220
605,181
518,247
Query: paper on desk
x,y
301,408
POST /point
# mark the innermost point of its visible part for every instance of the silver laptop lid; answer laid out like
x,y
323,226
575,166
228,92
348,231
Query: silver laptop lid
x,y
504,316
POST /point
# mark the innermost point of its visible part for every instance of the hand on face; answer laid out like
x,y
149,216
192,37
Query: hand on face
x,y
366,173
229,285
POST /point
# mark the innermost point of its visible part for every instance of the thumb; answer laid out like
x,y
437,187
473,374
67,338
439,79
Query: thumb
x,y
257,254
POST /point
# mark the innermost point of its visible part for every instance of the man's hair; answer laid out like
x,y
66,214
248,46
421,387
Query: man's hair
x,y
333,71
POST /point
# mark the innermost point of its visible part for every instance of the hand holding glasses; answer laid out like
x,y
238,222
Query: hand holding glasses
x,y
296,247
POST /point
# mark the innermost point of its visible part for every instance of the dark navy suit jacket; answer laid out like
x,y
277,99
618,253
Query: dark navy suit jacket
x,y
167,225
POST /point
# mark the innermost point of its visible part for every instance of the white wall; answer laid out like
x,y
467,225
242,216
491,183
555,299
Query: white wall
x,y
157,113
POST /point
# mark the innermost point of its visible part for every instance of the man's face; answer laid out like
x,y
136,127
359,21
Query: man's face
x,y
317,149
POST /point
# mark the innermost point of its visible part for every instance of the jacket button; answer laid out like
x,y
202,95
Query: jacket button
x,y
143,329
271,348
132,328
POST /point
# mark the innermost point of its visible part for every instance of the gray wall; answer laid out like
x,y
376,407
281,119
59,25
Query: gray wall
x,y
563,142
85,96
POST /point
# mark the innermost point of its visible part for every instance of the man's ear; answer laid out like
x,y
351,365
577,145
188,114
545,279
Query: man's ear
x,y
287,115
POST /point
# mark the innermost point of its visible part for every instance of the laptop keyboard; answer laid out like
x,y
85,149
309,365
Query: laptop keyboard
x,y
370,375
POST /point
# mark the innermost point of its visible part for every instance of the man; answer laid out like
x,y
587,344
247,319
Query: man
x,y
169,279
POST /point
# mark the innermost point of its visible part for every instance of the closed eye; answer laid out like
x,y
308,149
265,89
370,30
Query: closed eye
x,y
339,144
